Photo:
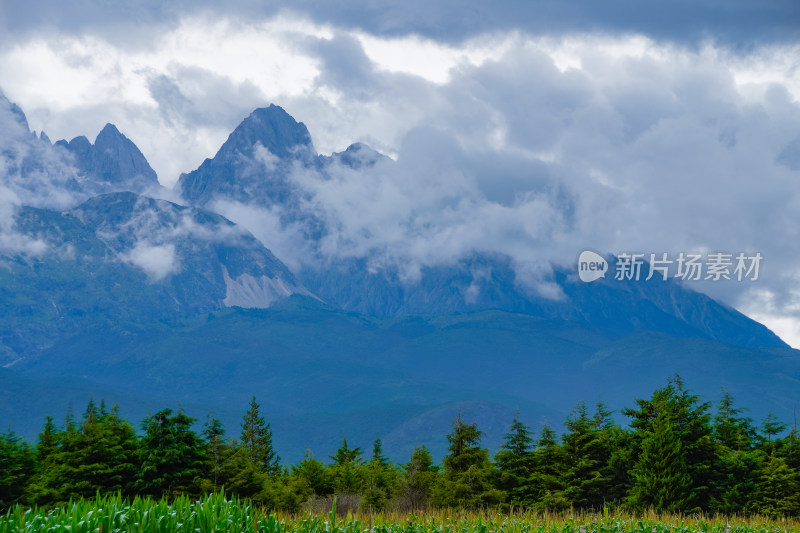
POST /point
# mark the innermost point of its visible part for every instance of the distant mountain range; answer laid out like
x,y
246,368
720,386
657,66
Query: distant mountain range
x,y
107,290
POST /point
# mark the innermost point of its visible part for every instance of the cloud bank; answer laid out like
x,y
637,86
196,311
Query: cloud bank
x,y
528,144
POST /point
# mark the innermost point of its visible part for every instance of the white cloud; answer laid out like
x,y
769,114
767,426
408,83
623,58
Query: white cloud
x,y
532,146
157,261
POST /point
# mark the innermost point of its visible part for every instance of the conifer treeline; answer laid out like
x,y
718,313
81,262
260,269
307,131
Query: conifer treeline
x,y
675,456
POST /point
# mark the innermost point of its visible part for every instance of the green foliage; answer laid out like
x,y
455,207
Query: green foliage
x,y
215,453
514,463
223,514
257,441
346,469
737,463
588,474
673,459
419,479
171,456
770,427
99,453
689,420
313,476
779,490
661,478
16,468
380,479
466,479
549,465
731,430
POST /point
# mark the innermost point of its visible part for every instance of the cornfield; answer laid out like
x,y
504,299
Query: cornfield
x,y
216,513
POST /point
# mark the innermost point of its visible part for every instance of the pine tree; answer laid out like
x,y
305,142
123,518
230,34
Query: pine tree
x,y
16,469
420,477
550,464
377,452
770,428
99,453
171,456
346,469
43,488
730,429
466,478
588,476
779,489
379,479
214,435
48,440
737,464
314,475
256,440
514,463
661,478
690,424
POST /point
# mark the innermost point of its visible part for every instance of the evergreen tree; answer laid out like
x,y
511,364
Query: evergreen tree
x,y
789,449
257,441
377,452
242,477
214,435
420,477
660,477
587,476
17,462
549,473
346,469
779,489
770,428
48,441
314,475
691,424
379,479
170,456
97,454
731,430
514,463
43,488
466,478
738,473
737,464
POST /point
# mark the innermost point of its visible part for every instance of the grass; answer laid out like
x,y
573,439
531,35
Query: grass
x,y
216,513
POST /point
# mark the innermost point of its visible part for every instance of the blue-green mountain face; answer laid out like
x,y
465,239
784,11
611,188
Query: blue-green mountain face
x,y
258,165
151,304
121,256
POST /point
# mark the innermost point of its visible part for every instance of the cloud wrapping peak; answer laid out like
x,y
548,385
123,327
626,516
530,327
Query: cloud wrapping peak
x,y
530,145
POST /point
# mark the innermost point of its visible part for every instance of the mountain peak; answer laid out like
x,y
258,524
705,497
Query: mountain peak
x,y
254,160
359,155
273,128
108,131
113,160
15,110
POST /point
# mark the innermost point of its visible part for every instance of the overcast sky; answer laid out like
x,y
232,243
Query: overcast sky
x,y
539,127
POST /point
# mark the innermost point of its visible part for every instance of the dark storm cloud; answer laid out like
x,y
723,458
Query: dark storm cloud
x,y
741,23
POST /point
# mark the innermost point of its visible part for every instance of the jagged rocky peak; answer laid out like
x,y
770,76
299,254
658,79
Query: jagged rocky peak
x,y
113,162
15,111
274,129
253,163
358,156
